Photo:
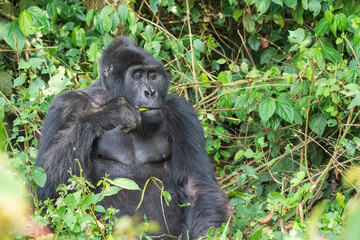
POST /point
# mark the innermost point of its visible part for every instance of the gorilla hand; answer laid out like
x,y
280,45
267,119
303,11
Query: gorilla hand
x,y
116,112
119,112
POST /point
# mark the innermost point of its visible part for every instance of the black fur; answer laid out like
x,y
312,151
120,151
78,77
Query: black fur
x,y
102,128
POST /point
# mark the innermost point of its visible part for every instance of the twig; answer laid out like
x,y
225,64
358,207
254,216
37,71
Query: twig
x,y
246,49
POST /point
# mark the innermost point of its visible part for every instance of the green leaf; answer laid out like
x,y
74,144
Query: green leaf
x,y
123,12
39,176
262,6
290,3
125,183
106,11
5,83
239,154
107,39
79,37
331,54
40,20
69,219
340,21
224,77
267,108
167,197
199,45
249,24
19,81
315,7
218,130
249,153
329,16
268,55
322,27
57,83
355,102
317,124
92,52
297,36
237,14
280,2
89,17
285,110
221,61
356,38
106,23
13,36
25,22
154,5
254,42
340,199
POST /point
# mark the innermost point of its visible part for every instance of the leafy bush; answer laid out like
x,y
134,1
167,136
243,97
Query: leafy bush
x,y
275,82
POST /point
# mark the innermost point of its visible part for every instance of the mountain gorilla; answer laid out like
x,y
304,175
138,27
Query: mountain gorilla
x,y
103,128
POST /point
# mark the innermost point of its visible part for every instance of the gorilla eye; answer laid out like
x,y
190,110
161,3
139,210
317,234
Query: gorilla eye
x,y
152,76
137,75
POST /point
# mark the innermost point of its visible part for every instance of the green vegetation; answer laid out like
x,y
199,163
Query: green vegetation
x,y
275,82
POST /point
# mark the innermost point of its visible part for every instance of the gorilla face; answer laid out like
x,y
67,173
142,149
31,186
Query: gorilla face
x,y
133,73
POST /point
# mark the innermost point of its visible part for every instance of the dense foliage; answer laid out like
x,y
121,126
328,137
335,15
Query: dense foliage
x,y
275,82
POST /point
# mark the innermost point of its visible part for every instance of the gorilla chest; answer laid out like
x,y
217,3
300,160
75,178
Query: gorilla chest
x,y
133,149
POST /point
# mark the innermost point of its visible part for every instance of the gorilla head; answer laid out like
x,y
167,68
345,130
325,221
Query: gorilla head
x,y
133,73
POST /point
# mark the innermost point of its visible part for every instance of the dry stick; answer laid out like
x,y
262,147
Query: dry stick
x,y
246,49
29,50
306,131
191,49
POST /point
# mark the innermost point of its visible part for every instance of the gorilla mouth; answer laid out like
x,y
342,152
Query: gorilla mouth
x,y
144,109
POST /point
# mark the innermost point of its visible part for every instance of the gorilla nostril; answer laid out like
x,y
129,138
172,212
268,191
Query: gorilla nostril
x,y
146,93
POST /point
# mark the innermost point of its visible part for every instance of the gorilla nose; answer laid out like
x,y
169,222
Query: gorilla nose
x,y
150,93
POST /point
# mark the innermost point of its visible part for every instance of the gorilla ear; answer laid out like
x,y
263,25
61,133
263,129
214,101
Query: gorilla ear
x,y
108,69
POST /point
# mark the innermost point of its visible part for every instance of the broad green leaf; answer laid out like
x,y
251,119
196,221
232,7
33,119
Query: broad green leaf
x,y
322,27
290,3
315,7
340,20
106,23
19,81
297,36
224,77
69,219
355,102
36,62
78,37
317,124
285,110
221,61
218,130
123,12
107,39
329,16
13,36
39,176
262,6
333,28
40,20
268,55
249,24
25,22
340,199
237,14
5,83
57,83
280,2
199,45
154,5
356,38
125,183
89,17
238,154
331,54
92,52
267,108
249,153
106,11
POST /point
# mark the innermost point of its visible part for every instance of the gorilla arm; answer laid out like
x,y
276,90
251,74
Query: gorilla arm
x,y
191,168
71,126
